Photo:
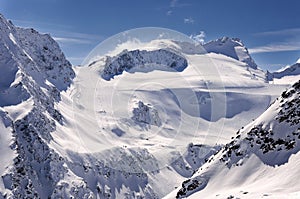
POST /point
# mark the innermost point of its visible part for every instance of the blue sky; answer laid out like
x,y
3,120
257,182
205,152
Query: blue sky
x,y
269,28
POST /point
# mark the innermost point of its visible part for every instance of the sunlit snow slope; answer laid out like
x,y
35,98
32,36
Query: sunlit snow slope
x,y
136,102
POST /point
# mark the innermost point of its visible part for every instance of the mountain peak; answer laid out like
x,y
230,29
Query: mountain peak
x,y
228,39
231,47
34,54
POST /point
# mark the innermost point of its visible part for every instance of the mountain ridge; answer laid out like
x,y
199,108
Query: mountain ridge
x,y
292,70
41,75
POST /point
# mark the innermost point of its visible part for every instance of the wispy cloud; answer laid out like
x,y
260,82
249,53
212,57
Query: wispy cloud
x,y
175,4
71,40
178,4
75,38
199,38
276,47
30,24
292,31
60,32
287,40
169,12
68,37
189,20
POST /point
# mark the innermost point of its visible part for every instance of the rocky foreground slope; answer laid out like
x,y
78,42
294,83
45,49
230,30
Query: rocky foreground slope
x,y
269,140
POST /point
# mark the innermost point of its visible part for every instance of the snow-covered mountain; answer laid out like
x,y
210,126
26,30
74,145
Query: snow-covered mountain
x,y
262,160
133,123
176,118
33,73
287,75
232,47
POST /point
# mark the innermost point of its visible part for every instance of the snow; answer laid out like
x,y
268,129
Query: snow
x,y
20,110
283,68
198,104
139,133
287,80
287,75
239,170
158,88
253,179
7,155
11,36
232,47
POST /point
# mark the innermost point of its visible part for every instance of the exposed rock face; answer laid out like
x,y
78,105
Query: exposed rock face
x,y
142,60
146,114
